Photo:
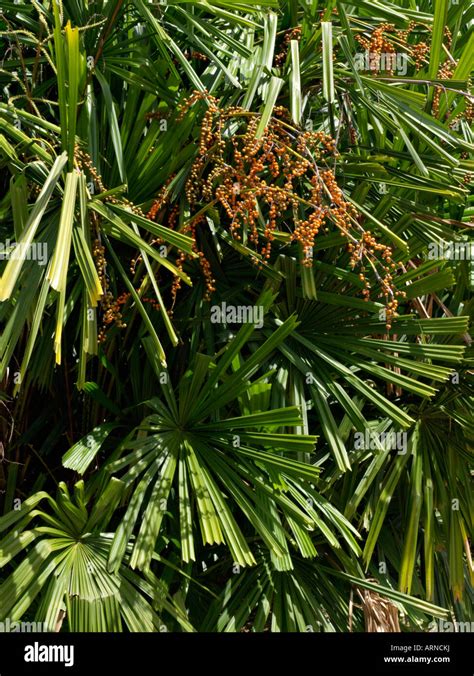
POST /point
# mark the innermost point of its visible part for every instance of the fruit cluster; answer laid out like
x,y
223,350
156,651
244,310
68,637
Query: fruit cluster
x,y
289,35
420,53
377,44
445,72
375,252
273,185
110,307
386,39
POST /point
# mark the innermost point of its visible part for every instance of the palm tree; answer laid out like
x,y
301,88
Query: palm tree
x,y
164,462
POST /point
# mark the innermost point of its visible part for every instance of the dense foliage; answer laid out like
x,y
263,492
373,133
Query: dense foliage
x,y
236,287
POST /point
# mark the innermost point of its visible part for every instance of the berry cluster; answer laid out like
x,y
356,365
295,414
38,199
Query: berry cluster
x,y
289,35
376,254
110,307
469,111
445,72
377,44
84,163
420,53
284,181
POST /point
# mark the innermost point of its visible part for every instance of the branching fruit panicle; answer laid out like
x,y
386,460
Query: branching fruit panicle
x,y
282,181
